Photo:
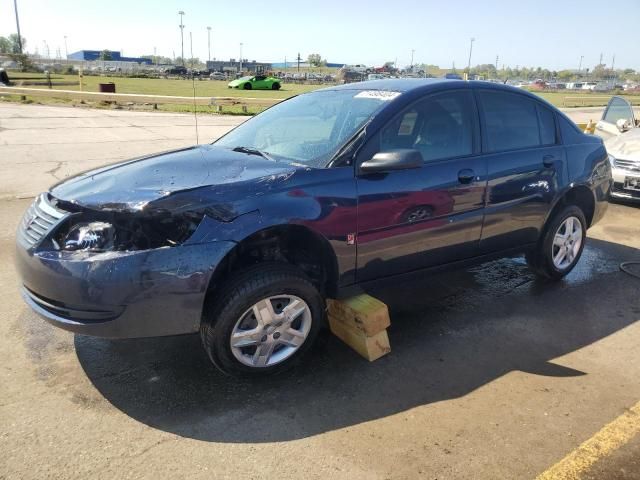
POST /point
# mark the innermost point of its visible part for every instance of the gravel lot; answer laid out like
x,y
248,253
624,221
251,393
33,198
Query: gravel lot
x,y
492,374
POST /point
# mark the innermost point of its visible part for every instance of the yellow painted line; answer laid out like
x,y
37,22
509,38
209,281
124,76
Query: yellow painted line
x,y
611,437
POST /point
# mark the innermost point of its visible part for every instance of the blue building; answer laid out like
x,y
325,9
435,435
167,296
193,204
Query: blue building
x,y
92,55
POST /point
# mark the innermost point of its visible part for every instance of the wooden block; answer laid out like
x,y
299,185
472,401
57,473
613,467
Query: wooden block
x,y
371,348
362,312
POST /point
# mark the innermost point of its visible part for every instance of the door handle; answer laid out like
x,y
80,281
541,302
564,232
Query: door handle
x,y
466,175
548,160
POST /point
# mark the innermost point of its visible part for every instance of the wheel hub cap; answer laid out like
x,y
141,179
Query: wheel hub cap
x,y
566,243
271,331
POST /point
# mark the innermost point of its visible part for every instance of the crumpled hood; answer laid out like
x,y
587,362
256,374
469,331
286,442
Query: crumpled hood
x,y
625,146
131,185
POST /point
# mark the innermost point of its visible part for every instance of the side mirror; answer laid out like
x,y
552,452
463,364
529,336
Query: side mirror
x,y
623,125
399,159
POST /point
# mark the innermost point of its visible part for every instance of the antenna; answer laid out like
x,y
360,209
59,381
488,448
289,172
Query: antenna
x,y
193,82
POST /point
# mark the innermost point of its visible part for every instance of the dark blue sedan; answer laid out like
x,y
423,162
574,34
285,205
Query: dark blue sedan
x,y
320,195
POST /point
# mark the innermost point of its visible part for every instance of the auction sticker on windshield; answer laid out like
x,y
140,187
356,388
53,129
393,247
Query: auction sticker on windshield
x,y
377,94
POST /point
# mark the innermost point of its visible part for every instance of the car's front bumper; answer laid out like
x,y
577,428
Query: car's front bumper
x,y
120,294
620,176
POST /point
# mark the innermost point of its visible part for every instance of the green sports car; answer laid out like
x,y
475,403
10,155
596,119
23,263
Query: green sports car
x,y
258,82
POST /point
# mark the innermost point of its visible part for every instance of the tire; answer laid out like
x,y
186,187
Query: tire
x,y
275,86
231,315
546,260
246,86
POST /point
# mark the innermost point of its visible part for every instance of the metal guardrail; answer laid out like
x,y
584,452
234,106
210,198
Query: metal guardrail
x,y
139,98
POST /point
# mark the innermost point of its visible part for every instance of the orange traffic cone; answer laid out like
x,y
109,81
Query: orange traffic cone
x,y
590,128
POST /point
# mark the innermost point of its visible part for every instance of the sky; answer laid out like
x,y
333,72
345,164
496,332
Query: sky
x,y
549,34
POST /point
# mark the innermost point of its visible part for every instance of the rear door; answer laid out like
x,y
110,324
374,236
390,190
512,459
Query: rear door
x,y
526,167
618,110
411,219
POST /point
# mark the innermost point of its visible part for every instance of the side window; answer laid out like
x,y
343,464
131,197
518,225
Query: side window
x,y
440,127
617,109
547,126
510,121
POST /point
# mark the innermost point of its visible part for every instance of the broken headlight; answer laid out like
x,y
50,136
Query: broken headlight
x,y
89,236
109,231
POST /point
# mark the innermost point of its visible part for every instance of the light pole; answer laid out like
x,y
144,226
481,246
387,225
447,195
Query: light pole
x,y
580,65
240,69
66,50
470,51
412,52
15,5
209,41
181,13
191,50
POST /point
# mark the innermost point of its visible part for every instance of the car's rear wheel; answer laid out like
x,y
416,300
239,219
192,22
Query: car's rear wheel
x,y
560,248
275,86
263,321
247,86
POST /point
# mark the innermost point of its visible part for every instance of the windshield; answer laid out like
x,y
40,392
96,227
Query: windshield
x,y
309,128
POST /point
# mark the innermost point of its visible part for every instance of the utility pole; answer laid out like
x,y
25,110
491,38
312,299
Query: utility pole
x,y
181,13
298,59
580,65
412,52
209,41
15,6
600,62
470,51
191,50
240,69
613,67
66,50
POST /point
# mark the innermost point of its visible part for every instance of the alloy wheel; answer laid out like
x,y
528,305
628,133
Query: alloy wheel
x,y
271,331
566,243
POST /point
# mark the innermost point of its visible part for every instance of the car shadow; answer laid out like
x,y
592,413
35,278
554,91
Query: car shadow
x,y
451,334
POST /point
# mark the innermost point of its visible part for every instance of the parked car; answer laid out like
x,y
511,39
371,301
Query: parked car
x,y
621,133
177,70
257,82
217,76
322,194
358,68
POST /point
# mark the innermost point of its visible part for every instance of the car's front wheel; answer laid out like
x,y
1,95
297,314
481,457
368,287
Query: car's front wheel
x,y
560,248
247,86
263,321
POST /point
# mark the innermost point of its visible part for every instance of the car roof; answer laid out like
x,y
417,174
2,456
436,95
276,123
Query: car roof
x,y
394,84
419,86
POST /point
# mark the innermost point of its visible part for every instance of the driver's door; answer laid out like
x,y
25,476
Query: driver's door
x,y
426,216
618,111
259,81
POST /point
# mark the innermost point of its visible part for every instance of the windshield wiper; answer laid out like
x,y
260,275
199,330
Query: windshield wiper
x,y
252,151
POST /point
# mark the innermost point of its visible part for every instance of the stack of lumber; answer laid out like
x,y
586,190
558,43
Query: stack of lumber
x,y
361,322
